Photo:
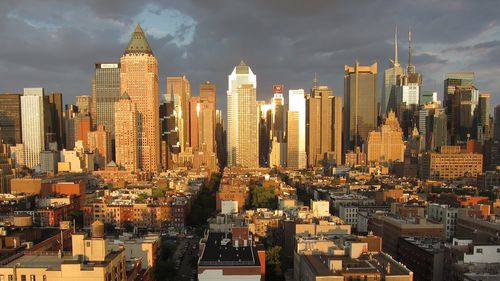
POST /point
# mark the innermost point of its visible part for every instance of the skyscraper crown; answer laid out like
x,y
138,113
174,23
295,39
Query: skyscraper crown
x,y
242,68
138,43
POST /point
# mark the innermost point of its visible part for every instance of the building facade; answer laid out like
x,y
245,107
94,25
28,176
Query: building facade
x,y
139,78
296,130
242,118
32,118
360,110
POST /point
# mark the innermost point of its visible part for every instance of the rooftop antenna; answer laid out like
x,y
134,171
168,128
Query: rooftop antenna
x,y
315,81
395,62
410,66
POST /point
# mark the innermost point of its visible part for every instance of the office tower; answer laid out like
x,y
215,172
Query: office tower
x,y
390,79
202,110
54,108
242,118
220,139
32,115
139,78
169,134
278,154
84,104
427,97
482,122
194,111
496,121
439,133
126,133
360,114
296,130
69,116
265,132
106,91
10,118
323,127
463,105
386,144
99,143
452,80
207,117
82,127
407,96
180,87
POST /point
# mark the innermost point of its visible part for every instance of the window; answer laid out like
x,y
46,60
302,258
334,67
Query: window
x,y
11,277
23,277
479,250
32,277
498,251
2,278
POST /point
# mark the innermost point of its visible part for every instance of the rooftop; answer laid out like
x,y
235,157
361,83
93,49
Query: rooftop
x,y
217,254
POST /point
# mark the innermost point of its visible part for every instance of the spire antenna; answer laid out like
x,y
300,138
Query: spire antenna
x,y
396,61
409,47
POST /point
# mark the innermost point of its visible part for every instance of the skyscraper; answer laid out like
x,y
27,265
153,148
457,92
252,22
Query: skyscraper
x,y
483,117
387,143
84,104
360,114
278,142
407,96
69,116
390,78
139,78
126,133
32,118
55,104
220,139
265,132
205,115
496,121
324,127
100,144
106,92
169,134
452,80
463,107
180,88
296,130
242,118
10,118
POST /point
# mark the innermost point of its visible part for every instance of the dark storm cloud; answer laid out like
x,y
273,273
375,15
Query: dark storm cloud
x,y
55,43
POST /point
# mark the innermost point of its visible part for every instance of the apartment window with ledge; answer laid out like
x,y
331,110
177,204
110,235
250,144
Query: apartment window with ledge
x,y
32,277
479,250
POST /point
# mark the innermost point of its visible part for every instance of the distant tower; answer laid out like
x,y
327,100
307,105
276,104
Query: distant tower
x,y
180,88
106,91
242,118
32,119
360,114
296,130
139,78
390,78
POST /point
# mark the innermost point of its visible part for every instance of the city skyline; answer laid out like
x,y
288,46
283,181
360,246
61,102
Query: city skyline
x,y
177,45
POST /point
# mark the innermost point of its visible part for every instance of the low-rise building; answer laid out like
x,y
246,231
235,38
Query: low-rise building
x,y
231,256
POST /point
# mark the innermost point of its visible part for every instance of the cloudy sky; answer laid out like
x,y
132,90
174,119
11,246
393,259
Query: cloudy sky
x,y
55,43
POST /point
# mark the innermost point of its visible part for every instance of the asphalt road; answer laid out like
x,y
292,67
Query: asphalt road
x,y
186,270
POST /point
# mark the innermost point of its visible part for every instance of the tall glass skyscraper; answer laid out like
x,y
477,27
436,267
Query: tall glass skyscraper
x,y
360,110
242,118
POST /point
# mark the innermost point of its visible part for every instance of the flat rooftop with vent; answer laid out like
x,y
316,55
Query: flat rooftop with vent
x,y
231,256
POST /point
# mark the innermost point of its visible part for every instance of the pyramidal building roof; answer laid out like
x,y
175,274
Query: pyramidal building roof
x,y
242,68
138,43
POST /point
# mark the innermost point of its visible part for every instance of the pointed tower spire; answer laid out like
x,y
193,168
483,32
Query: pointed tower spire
x,y
138,43
396,61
